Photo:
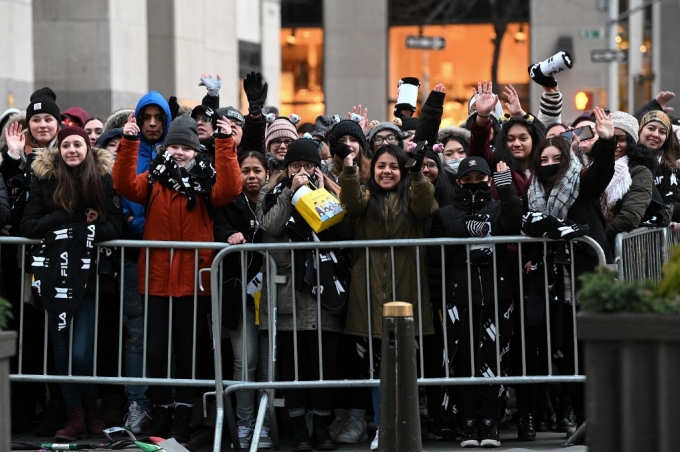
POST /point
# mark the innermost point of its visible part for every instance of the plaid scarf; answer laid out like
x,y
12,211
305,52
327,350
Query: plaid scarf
x,y
563,194
198,176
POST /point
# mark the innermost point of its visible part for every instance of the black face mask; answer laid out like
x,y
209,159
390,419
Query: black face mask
x,y
475,187
547,172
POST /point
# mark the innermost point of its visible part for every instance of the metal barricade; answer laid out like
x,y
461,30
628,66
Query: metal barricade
x,y
118,378
641,253
273,275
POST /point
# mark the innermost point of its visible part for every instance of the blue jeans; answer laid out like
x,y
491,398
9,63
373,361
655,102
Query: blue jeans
x,y
133,324
257,349
82,354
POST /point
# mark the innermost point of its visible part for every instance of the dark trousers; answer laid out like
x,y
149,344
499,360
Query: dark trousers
x,y
182,341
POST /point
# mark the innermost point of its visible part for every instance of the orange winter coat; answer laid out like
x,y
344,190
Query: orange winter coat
x,y
167,218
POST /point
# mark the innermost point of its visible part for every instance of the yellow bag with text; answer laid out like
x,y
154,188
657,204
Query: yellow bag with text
x,y
318,207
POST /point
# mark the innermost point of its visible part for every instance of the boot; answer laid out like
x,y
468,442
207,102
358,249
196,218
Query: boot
x,y
161,421
525,427
301,442
93,418
55,418
75,426
566,419
181,424
322,436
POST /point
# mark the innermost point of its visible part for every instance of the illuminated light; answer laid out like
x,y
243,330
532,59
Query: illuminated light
x,y
583,100
520,36
306,35
643,48
618,39
291,39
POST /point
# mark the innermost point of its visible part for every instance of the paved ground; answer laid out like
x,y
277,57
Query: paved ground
x,y
202,442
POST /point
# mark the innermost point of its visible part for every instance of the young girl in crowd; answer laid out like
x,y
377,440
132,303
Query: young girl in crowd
x,y
474,213
393,205
72,191
179,191
94,127
297,300
348,133
236,223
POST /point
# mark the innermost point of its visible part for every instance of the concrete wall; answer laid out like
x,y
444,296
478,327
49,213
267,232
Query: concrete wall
x,y
669,62
16,54
552,19
355,56
271,48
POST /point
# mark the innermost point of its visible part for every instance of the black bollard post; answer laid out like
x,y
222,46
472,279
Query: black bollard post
x,y
399,411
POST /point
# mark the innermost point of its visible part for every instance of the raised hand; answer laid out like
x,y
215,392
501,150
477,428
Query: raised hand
x,y
256,92
131,128
224,125
440,88
364,115
212,84
513,105
664,97
604,126
15,140
339,148
485,98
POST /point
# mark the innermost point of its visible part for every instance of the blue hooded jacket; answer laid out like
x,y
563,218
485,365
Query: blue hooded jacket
x,y
134,229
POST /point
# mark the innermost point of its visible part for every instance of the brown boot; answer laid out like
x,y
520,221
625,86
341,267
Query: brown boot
x,y
75,426
94,419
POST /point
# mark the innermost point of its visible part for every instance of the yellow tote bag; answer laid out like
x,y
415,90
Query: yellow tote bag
x,y
318,207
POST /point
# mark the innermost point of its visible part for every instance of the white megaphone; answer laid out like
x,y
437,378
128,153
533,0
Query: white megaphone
x,y
557,63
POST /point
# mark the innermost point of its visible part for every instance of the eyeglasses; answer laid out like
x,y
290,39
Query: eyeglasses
x,y
203,119
389,138
236,122
621,138
278,142
309,167
430,165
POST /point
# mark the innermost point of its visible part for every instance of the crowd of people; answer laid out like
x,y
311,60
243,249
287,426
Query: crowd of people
x,y
212,174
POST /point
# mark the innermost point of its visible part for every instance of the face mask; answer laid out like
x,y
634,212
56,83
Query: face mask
x,y
545,173
453,164
475,187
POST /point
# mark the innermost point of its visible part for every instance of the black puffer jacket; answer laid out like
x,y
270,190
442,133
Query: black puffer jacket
x,y
505,218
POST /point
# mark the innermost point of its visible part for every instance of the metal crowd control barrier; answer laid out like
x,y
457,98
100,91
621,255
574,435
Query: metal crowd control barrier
x,y
641,253
274,276
118,379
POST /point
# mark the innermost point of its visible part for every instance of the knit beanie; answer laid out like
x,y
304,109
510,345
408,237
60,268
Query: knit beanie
x,y
627,123
183,130
43,101
231,114
68,131
656,115
280,128
76,114
384,126
351,128
302,149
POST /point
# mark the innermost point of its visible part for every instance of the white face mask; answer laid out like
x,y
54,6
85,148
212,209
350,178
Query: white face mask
x,y
453,164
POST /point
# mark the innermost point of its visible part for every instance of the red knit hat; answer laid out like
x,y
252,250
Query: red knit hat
x,y
68,131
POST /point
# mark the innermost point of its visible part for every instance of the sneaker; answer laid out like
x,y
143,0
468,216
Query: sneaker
x,y
439,431
354,431
470,437
374,443
489,433
525,427
265,439
136,420
161,421
245,435
338,424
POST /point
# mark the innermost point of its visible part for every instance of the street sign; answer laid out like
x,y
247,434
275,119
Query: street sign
x,y
591,33
608,56
425,42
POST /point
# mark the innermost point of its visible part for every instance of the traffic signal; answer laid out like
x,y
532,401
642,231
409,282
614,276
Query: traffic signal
x,y
584,100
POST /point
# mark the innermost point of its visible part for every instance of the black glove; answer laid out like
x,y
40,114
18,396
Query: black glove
x,y
566,229
538,77
338,148
256,92
535,224
418,158
174,107
435,100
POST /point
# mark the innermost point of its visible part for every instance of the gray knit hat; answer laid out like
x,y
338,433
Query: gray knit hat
x,y
385,126
627,123
183,130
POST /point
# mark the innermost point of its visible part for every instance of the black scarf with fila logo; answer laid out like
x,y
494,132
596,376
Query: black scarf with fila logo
x,y
61,267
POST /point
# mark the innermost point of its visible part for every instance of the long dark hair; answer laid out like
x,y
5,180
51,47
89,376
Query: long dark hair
x,y
503,153
67,194
254,154
565,153
376,199
443,189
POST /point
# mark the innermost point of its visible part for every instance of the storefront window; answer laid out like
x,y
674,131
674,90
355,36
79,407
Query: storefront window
x,y
302,73
465,60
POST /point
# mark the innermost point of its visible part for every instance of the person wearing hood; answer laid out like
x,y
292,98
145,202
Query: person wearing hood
x,y
74,117
456,142
180,188
72,191
109,140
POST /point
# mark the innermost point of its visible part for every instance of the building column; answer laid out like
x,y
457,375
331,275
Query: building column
x,y
16,70
355,56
